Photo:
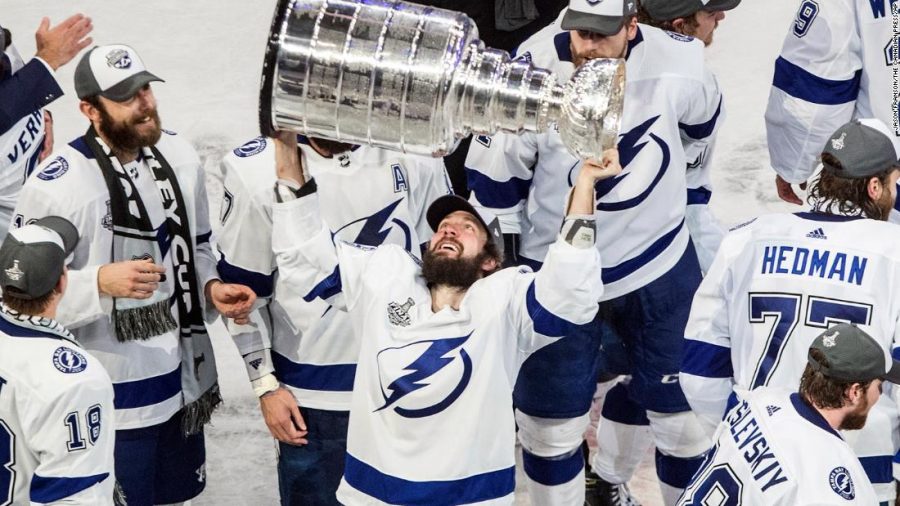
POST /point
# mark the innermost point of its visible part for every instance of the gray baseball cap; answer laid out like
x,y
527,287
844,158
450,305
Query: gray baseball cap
x,y
605,17
115,72
864,147
667,10
853,356
32,258
447,204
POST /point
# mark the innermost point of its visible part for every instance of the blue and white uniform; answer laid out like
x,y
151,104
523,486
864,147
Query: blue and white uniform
x,y
672,106
776,283
840,61
146,374
56,417
422,375
23,94
774,449
371,196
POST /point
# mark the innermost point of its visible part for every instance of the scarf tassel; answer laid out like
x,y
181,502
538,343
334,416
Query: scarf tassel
x,y
199,413
142,323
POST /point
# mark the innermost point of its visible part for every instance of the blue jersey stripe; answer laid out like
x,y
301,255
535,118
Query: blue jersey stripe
x,y
702,130
394,490
497,194
878,468
676,471
628,267
327,288
698,196
148,391
804,85
545,322
706,360
261,284
46,490
328,378
552,472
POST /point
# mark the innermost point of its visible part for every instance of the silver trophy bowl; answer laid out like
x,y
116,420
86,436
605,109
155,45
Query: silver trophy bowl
x,y
416,79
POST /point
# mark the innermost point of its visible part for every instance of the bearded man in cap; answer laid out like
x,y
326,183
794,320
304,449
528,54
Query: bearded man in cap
x,y
142,278
650,266
57,426
443,338
777,446
778,280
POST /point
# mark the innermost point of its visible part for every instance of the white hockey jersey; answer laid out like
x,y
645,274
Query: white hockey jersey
x,y
776,284
774,449
146,374
57,428
431,421
671,101
372,197
840,60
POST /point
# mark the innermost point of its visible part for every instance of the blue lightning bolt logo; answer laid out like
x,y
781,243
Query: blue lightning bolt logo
x,y
376,228
425,366
629,147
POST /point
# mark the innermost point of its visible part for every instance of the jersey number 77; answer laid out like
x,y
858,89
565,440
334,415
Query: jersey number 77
x,y
783,310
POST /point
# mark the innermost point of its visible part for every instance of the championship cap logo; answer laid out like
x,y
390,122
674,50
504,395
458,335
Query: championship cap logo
x,y
119,59
829,339
14,273
838,144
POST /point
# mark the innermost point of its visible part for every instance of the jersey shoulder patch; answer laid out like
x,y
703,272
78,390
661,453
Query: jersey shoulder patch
x,y
252,147
69,361
53,170
680,37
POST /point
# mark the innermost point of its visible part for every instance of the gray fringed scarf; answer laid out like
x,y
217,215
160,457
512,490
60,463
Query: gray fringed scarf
x,y
135,238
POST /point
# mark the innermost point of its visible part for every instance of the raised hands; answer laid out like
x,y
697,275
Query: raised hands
x,y
57,45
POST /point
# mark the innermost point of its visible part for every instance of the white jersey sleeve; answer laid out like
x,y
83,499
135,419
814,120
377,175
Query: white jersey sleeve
x,y
816,84
243,240
706,231
499,172
706,376
429,181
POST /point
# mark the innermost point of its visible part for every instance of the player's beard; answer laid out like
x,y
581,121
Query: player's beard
x,y
885,203
856,419
124,135
453,272
579,58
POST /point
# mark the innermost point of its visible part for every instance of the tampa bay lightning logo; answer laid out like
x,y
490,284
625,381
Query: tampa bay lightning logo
x,y
68,360
375,229
54,169
630,145
424,378
679,36
841,483
251,148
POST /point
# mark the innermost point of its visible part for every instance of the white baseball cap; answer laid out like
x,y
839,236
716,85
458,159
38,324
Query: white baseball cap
x,y
605,17
114,71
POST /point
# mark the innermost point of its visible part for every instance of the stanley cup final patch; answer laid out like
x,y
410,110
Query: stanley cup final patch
x,y
398,314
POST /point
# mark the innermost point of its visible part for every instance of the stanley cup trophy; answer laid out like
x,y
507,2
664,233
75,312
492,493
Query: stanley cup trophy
x,y
416,79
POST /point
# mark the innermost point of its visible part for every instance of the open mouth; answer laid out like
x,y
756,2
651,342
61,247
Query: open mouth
x,y
449,246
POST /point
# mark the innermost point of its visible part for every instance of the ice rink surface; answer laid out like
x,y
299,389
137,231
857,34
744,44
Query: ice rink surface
x,y
210,53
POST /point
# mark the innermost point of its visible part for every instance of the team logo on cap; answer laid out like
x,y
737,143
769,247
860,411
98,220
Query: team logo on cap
x,y
54,169
838,144
68,360
14,273
841,483
118,59
829,339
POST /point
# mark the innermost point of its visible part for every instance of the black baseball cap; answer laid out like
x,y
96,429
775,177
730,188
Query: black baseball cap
x,y
606,17
853,356
447,204
115,72
667,10
864,147
32,258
